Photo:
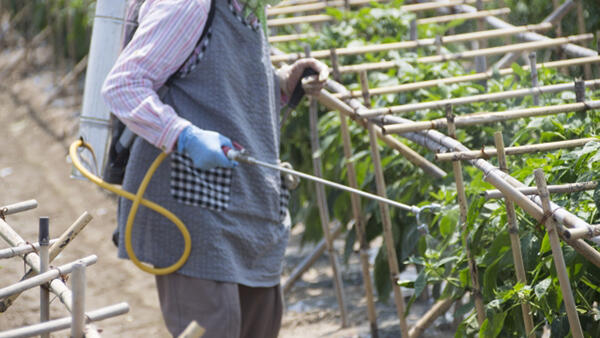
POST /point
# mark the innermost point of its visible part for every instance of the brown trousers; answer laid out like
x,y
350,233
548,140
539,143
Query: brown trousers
x,y
225,310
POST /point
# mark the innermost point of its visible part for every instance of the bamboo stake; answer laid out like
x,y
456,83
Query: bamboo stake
x,y
464,78
581,30
21,250
439,308
526,149
386,218
491,117
44,263
18,207
360,228
509,94
193,330
534,77
552,189
515,243
65,323
323,209
559,262
579,90
309,260
67,237
357,215
387,230
45,277
78,300
507,184
463,207
524,46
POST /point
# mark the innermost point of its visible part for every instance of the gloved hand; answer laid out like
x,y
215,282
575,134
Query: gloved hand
x,y
204,147
290,74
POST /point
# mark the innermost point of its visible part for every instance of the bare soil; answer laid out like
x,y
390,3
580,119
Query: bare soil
x,y
33,165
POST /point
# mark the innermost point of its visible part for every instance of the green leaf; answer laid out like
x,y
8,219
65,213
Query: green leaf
x,y
541,288
545,245
420,283
492,328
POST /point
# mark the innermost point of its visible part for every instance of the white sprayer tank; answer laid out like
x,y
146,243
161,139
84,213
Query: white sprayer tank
x,y
107,35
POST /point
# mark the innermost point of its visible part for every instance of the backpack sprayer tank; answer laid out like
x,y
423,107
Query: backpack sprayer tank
x,y
95,122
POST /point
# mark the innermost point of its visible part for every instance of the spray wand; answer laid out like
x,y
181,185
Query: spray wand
x,y
241,155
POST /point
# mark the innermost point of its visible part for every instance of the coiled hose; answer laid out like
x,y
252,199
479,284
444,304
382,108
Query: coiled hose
x,y
137,200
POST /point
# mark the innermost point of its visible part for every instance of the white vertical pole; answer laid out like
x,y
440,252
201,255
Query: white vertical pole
x,y
78,300
105,46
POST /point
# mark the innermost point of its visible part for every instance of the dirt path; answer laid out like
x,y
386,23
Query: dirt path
x,y
33,166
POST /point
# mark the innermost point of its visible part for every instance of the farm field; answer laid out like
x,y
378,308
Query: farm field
x,y
457,113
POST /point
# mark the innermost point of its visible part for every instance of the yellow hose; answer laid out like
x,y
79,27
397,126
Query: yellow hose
x,y
137,200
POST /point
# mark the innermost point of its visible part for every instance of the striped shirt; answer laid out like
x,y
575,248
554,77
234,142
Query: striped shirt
x,y
167,34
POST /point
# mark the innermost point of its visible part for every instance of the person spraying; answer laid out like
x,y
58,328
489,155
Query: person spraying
x,y
189,94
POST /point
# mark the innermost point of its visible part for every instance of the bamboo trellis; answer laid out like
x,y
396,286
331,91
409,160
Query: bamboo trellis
x,y
571,228
50,279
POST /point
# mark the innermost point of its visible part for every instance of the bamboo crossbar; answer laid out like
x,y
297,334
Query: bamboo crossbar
x,y
438,19
65,323
463,16
317,18
490,117
18,207
312,7
488,34
290,37
524,46
45,277
418,7
21,250
320,18
509,94
406,87
526,149
553,189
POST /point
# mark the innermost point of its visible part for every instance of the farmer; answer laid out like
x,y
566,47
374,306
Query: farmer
x,y
224,90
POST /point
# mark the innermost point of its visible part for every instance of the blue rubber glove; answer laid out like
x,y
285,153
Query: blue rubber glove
x,y
204,147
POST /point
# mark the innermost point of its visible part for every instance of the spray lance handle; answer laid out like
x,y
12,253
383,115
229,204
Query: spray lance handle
x,y
236,153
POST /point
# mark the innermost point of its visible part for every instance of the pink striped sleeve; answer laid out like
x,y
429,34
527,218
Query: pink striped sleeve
x,y
167,34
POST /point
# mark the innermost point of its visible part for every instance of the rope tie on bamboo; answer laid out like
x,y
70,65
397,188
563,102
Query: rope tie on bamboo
x,y
3,213
546,216
484,155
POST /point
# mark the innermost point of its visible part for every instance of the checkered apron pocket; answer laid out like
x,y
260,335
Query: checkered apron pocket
x,y
205,188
